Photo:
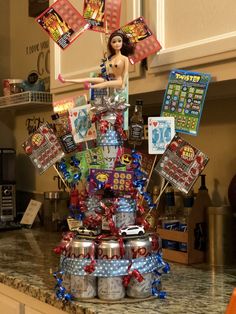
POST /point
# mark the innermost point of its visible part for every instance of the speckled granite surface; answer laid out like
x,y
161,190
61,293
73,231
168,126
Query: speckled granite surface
x,y
26,261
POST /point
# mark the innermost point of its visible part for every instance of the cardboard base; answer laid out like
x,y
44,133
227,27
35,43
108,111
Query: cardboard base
x,y
124,300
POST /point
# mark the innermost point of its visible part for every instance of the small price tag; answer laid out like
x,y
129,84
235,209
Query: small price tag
x,y
31,212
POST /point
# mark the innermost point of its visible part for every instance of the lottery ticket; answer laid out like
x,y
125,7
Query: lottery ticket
x,y
63,105
184,99
102,15
143,39
181,164
119,181
161,130
62,22
43,148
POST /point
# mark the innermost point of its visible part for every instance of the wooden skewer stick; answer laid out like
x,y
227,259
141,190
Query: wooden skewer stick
x,y
60,176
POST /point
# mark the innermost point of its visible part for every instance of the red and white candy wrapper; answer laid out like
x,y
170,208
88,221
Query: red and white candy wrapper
x,y
43,148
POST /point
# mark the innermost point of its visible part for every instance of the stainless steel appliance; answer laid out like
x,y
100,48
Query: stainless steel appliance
x,y
7,184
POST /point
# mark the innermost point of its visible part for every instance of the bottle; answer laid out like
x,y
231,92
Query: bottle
x,y
136,127
63,132
188,201
170,221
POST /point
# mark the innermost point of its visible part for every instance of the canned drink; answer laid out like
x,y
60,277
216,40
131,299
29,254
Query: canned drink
x,y
136,248
183,245
66,277
170,225
141,289
83,287
81,248
110,288
109,249
124,219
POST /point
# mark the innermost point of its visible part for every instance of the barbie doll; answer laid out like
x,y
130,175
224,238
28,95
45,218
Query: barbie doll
x,y
117,64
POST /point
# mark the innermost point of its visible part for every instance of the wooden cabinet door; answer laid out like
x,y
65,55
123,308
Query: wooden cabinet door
x,y
83,56
9,306
29,310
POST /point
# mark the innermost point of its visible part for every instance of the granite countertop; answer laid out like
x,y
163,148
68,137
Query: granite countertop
x,y
27,263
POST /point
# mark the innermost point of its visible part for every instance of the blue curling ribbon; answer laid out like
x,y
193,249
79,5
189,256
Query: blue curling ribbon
x,y
140,178
60,291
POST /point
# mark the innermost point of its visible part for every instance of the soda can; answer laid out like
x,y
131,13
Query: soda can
x,y
137,248
109,249
170,224
83,287
140,247
124,219
183,245
141,289
110,288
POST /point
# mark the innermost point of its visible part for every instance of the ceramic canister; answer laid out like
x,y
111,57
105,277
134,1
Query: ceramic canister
x,y
110,288
83,287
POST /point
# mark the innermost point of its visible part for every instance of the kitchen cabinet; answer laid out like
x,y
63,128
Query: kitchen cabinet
x,y
85,54
21,303
191,32
10,306
29,310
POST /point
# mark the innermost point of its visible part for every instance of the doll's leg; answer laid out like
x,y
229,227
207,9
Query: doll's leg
x,y
113,84
95,80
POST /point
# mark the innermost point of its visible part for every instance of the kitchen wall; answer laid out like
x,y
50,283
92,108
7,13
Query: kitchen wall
x,y
216,134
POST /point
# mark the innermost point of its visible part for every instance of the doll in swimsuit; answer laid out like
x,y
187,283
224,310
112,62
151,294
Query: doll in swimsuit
x,y
117,65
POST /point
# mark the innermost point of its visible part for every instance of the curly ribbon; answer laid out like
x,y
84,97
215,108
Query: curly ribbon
x,y
112,103
156,284
91,267
134,273
65,243
103,126
139,183
60,291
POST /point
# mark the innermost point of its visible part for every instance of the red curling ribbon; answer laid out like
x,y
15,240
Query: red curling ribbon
x,y
104,126
91,267
141,209
134,273
143,222
92,221
65,242
122,249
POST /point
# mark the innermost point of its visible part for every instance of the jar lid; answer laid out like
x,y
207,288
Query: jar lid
x,y
15,81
